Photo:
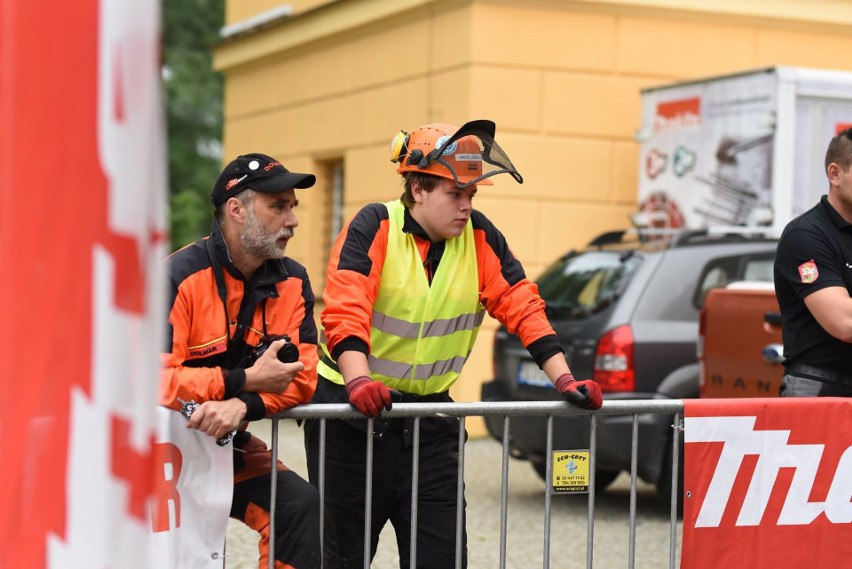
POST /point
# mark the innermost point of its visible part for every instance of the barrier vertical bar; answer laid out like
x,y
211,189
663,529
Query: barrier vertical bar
x,y
548,491
273,493
676,426
634,451
460,518
368,494
321,488
504,492
593,451
415,480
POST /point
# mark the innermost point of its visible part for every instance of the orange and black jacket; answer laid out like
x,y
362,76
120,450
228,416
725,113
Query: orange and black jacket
x,y
354,274
209,352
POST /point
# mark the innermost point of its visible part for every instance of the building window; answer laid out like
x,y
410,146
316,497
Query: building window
x,y
335,175
331,173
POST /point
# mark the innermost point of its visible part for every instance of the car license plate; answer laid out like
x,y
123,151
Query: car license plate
x,y
530,374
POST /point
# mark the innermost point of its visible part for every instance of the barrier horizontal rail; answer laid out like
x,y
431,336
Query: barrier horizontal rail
x,y
505,409
483,409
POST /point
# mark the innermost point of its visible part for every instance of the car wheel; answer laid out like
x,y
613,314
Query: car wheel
x,y
603,478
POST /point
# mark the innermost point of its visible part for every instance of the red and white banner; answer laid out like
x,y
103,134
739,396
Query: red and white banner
x,y
193,487
82,238
767,483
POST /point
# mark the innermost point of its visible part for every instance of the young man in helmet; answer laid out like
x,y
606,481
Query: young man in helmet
x,y
408,283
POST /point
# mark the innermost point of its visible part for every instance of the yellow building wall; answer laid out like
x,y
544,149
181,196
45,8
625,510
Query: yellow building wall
x,y
561,79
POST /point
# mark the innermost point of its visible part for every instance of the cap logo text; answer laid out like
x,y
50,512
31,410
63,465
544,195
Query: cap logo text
x,y
234,181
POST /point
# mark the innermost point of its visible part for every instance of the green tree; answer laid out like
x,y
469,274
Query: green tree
x,y
193,111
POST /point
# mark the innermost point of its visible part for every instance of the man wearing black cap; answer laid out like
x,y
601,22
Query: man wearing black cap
x,y
243,344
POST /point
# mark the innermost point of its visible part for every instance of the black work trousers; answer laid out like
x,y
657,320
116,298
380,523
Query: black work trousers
x,y
297,536
345,473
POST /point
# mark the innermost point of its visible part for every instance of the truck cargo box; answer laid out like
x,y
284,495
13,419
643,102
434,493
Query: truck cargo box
x,y
738,150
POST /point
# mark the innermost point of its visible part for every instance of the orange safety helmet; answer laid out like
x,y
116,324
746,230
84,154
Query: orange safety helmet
x,y
466,155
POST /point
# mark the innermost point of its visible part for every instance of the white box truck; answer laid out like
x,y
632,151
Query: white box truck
x,y
745,149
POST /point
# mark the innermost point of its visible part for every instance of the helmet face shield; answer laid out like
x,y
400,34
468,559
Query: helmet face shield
x,y
468,156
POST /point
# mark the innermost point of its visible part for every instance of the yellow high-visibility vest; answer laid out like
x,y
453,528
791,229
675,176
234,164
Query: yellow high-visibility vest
x,y
421,335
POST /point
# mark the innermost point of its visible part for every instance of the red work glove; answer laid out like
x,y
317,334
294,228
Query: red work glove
x,y
369,396
585,394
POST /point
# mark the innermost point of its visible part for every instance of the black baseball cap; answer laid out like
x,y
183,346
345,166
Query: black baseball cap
x,y
257,172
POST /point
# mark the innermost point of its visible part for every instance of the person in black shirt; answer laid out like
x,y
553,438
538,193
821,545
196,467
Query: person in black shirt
x,y
813,282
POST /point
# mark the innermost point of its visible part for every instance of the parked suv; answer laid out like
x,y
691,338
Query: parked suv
x,y
626,311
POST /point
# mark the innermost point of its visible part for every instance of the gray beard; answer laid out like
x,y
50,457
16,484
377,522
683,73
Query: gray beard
x,y
258,242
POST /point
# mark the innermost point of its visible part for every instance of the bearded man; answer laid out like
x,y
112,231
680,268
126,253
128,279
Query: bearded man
x,y
232,293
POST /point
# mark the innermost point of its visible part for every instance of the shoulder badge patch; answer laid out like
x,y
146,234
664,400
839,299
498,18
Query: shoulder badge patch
x,y
808,272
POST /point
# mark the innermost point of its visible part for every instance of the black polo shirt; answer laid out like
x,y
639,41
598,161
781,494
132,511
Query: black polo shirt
x,y
815,252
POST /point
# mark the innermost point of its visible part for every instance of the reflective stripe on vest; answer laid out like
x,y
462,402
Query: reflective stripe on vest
x,y
421,335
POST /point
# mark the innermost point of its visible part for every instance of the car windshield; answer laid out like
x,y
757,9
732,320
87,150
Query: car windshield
x,y
578,286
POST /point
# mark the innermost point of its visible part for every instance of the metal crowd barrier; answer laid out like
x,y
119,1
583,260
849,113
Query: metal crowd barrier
x,y
507,410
